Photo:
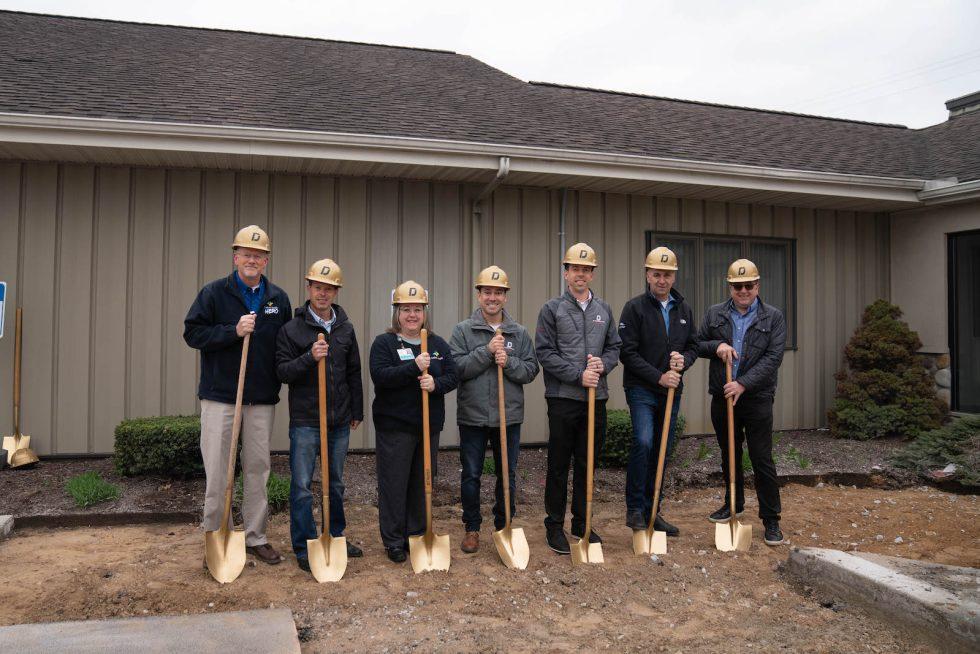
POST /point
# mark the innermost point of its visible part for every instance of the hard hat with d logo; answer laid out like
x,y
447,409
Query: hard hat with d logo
x,y
253,237
662,258
742,270
581,254
492,276
326,271
409,293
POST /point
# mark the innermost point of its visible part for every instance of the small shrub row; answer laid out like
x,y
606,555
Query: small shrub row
x,y
163,445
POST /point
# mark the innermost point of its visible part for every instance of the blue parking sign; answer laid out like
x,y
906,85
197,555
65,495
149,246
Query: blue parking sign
x,y
3,297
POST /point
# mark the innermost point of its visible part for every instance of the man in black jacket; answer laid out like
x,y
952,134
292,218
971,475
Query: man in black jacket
x,y
225,311
657,330
298,352
751,336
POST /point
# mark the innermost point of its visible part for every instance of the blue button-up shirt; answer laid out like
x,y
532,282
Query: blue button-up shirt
x,y
251,296
665,311
740,325
326,324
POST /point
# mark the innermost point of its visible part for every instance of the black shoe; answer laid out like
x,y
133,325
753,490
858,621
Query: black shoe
x,y
724,514
304,564
353,551
593,537
662,525
773,535
636,521
557,541
396,554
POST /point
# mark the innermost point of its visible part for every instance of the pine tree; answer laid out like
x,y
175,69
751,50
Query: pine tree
x,y
884,388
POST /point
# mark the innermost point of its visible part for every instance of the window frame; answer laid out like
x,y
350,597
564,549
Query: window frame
x,y
651,236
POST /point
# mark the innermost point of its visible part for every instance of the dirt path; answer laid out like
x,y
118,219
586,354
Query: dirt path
x,y
698,600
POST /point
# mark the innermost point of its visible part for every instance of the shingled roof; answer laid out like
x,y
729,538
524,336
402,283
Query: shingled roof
x,y
53,65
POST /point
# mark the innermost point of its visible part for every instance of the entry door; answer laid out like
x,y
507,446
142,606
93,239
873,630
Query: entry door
x,y
964,323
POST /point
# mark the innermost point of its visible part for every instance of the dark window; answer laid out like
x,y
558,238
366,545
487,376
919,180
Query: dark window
x,y
704,261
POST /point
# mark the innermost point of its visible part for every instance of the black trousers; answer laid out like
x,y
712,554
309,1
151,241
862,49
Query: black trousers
x,y
753,424
568,443
401,485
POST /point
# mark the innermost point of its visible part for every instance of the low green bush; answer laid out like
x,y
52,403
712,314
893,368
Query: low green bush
x,y
489,467
957,443
90,488
276,489
619,437
163,445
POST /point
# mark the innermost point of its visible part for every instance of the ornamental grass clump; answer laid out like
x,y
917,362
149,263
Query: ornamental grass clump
x,y
90,488
884,388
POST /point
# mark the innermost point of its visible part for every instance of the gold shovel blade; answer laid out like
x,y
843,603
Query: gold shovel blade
x,y
512,547
12,444
740,540
429,556
645,543
585,552
225,554
328,557
23,457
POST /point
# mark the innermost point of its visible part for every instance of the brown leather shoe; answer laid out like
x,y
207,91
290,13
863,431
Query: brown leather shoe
x,y
471,543
265,553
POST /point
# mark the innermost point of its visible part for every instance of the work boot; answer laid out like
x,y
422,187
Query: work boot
x,y
557,541
593,537
265,553
773,535
635,520
471,543
353,551
396,554
662,525
724,514
303,563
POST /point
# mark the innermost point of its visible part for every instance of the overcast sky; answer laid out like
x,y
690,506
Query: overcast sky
x,y
893,61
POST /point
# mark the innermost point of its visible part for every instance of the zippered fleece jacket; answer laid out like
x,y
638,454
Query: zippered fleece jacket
x,y
210,327
565,336
297,367
647,344
762,348
476,399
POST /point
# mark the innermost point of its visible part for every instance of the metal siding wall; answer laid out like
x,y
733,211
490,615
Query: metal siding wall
x,y
106,260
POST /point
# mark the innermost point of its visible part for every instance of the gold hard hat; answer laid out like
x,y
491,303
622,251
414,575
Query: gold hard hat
x,y
662,258
326,271
492,276
742,270
253,237
409,293
25,456
581,254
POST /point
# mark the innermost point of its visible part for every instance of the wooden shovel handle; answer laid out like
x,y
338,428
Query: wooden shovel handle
x,y
236,427
589,465
505,473
321,369
731,443
664,434
426,454
18,330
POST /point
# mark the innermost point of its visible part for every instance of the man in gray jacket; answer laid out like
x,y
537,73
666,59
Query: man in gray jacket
x,y
478,351
577,344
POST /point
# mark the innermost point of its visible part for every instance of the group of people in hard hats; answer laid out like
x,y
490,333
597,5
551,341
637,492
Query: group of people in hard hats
x,y
577,343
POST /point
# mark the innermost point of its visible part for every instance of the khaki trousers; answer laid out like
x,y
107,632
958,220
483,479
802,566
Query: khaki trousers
x,y
216,421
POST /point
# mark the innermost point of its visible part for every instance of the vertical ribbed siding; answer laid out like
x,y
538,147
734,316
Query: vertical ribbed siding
x,y
106,260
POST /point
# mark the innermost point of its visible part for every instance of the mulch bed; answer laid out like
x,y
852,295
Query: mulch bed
x,y
807,457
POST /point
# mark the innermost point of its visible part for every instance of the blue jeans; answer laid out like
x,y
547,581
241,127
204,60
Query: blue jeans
x,y
647,414
304,446
472,451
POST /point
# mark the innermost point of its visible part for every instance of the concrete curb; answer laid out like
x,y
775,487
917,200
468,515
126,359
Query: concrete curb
x,y
946,618
242,632
6,525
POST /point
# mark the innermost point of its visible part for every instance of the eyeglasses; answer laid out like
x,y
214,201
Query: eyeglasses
x,y
738,286
249,256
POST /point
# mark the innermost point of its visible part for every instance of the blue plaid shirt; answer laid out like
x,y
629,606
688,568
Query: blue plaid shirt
x,y
740,325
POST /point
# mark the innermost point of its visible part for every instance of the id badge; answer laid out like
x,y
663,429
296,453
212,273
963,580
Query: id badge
x,y
406,354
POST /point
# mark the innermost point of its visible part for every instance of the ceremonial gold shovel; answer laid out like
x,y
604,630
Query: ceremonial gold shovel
x,y
584,551
327,554
511,543
19,453
734,536
428,551
650,541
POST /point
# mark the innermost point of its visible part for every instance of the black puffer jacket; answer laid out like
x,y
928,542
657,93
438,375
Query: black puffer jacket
x,y
297,367
762,349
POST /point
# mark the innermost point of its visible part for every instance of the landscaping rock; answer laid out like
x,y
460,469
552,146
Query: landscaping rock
x,y
6,525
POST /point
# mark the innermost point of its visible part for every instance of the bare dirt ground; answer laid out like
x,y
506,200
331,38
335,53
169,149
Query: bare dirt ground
x,y
697,600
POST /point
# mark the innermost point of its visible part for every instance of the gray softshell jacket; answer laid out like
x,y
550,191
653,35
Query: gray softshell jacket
x,y
565,335
476,396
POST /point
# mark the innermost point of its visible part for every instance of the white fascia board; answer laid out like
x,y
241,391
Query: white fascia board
x,y
950,194
266,142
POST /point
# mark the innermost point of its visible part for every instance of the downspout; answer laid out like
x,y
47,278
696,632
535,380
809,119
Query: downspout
x,y
561,237
477,250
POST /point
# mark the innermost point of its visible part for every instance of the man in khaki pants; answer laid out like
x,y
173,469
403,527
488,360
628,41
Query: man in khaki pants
x,y
225,311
